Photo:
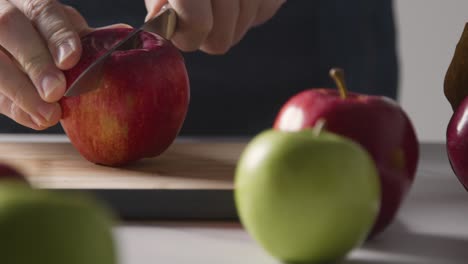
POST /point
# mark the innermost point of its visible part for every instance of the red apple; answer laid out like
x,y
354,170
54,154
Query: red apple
x,y
7,172
457,142
140,105
378,123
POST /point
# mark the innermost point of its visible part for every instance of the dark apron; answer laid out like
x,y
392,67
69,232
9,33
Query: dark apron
x,y
241,92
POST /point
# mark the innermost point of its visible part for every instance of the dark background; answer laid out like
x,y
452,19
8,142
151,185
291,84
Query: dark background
x,y
240,93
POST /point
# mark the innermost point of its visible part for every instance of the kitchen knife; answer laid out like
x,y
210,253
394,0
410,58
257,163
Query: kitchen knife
x,y
163,24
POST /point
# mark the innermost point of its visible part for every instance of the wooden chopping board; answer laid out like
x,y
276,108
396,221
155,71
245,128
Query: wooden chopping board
x,y
180,183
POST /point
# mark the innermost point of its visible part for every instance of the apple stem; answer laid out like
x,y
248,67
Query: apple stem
x,y
337,74
318,127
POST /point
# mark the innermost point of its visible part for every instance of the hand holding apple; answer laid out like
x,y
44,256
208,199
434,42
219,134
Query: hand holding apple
x,y
377,123
307,196
140,104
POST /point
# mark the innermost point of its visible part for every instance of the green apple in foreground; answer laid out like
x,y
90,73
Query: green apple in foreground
x,y
44,227
306,196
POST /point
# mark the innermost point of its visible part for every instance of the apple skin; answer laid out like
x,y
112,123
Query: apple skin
x,y
457,142
38,226
140,105
377,123
306,198
9,173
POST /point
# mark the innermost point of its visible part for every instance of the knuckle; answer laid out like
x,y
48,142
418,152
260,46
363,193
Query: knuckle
x,y
70,9
36,9
4,104
10,109
33,65
192,33
60,35
77,20
8,15
17,97
203,27
15,112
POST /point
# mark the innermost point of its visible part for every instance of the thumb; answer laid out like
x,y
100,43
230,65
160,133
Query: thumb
x,y
153,7
77,20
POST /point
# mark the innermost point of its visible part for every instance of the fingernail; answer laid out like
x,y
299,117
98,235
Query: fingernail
x,y
147,17
65,50
46,111
50,83
36,121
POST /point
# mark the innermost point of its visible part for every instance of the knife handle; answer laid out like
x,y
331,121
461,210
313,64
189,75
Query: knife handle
x,y
163,24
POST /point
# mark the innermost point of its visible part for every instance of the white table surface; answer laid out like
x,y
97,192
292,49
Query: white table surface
x,y
432,227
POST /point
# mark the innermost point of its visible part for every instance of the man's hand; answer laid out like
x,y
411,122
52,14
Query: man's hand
x,y
38,39
214,26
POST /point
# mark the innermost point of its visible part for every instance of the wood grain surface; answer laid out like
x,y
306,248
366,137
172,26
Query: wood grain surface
x,y
187,164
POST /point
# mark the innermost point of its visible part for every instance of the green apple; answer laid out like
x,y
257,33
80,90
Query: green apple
x,y
306,196
44,227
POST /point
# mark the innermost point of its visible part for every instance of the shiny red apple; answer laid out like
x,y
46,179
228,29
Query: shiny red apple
x,y
140,105
378,123
457,142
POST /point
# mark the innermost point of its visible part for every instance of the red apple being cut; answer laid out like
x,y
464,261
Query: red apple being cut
x,y
140,105
377,123
457,142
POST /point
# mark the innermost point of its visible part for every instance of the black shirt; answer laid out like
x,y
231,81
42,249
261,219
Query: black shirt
x,y
241,92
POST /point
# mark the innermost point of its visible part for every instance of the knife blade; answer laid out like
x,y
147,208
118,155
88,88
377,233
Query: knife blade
x,y
163,24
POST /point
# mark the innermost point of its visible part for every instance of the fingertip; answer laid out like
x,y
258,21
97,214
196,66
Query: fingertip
x,y
56,115
49,115
153,7
77,20
190,39
86,31
53,87
185,45
119,25
218,48
267,11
